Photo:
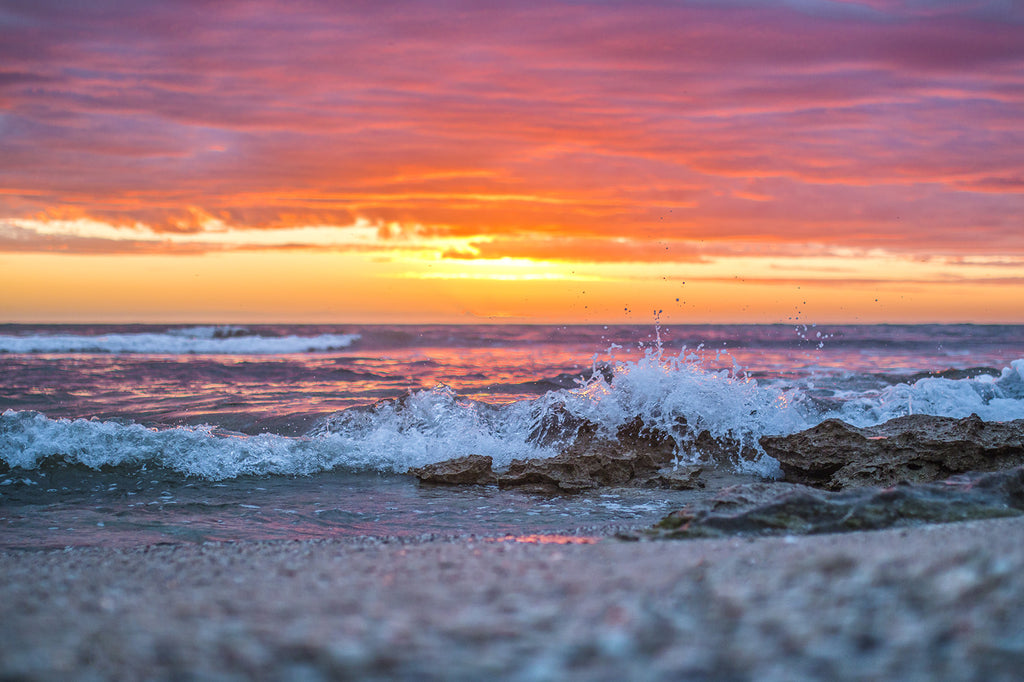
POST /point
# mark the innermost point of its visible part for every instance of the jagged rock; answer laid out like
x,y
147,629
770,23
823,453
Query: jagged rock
x,y
637,456
633,457
794,509
468,470
918,448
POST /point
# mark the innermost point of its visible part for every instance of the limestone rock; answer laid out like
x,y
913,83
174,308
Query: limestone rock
x,y
637,456
633,457
468,470
917,448
794,509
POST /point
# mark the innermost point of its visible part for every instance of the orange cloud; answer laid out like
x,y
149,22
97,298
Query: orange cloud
x,y
602,133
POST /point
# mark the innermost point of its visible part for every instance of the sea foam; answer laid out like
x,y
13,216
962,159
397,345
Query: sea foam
x,y
991,398
197,340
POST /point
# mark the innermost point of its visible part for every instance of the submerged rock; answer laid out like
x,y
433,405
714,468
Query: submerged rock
x,y
794,509
917,448
469,470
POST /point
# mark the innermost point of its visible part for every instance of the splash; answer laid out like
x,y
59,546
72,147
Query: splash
x,y
682,397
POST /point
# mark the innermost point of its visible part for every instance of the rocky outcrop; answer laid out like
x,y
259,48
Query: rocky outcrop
x,y
635,454
917,448
636,457
793,509
832,455
469,470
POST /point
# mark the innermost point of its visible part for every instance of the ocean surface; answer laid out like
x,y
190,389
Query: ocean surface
x,y
127,435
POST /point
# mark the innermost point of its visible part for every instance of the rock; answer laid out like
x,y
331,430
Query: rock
x,y
918,448
468,470
794,509
637,456
676,478
632,458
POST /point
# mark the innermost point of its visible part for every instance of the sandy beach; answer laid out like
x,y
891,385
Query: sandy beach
x,y
933,602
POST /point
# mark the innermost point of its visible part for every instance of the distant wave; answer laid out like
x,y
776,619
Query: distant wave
x,y
198,340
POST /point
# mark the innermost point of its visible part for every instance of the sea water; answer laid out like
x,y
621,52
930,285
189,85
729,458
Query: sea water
x,y
125,435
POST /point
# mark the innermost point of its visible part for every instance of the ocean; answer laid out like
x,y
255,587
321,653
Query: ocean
x,y
125,435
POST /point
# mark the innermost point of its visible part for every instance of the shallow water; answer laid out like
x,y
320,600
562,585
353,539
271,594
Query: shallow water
x,y
68,506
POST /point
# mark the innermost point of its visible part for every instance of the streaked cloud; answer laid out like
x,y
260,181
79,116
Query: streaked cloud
x,y
615,132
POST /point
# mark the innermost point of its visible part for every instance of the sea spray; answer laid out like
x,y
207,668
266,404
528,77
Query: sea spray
x,y
680,396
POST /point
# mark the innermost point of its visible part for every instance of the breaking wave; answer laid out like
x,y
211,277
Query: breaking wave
x,y
197,340
675,394
991,398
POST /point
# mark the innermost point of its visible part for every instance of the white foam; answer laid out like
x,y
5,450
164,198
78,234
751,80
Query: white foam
x,y
198,340
430,427
30,437
435,425
992,399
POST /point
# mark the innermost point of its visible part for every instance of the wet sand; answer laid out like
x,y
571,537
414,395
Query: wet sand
x,y
933,602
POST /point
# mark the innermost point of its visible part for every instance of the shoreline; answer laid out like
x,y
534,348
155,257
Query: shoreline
x,y
930,601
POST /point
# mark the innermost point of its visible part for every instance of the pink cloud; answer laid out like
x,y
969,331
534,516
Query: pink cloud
x,y
898,124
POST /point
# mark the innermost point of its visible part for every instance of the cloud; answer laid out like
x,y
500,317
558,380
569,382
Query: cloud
x,y
15,239
576,249
19,239
897,124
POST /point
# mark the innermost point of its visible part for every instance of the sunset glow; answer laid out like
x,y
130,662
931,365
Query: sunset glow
x,y
555,162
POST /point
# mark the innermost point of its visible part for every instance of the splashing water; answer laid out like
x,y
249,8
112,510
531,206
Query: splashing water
x,y
680,396
684,395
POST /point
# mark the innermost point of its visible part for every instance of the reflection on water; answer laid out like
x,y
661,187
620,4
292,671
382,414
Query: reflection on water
x,y
549,539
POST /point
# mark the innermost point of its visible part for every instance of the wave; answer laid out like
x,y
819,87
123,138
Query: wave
x,y
187,340
422,427
993,398
677,395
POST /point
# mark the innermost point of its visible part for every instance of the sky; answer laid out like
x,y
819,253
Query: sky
x,y
552,162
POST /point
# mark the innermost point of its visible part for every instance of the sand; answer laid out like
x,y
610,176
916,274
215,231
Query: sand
x,y
934,602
